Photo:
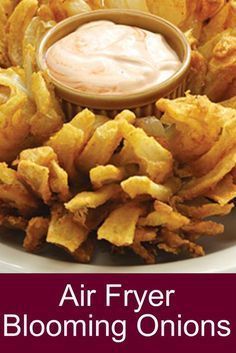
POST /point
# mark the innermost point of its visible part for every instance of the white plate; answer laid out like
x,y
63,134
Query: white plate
x,y
220,258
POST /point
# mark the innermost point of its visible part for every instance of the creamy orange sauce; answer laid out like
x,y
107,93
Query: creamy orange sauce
x,y
106,58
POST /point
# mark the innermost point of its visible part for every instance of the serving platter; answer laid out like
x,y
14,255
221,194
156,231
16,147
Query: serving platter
x,y
220,257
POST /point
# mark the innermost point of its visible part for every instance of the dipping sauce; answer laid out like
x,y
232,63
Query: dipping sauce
x,y
102,57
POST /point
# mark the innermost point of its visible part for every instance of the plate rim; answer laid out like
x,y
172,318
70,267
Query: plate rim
x,y
222,261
